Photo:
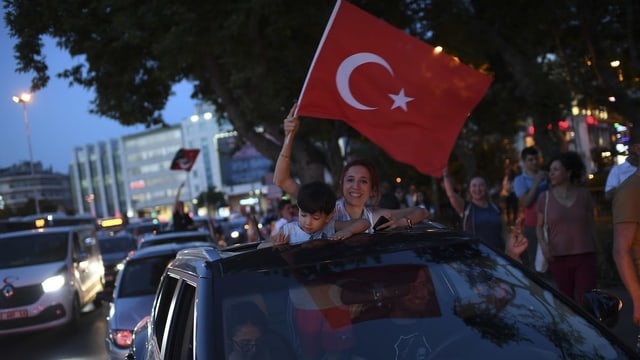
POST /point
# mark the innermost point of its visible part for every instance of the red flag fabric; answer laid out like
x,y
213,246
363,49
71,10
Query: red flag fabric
x,y
400,92
184,159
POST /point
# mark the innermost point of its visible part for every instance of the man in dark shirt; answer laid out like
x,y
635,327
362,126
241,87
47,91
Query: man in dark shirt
x,y
181,219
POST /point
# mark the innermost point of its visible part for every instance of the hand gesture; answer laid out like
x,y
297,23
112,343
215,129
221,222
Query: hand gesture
x,y
517,243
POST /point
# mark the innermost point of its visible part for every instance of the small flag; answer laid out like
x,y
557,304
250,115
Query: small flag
x,y
184,159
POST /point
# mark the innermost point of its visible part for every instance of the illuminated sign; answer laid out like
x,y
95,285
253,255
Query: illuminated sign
x,y
111,222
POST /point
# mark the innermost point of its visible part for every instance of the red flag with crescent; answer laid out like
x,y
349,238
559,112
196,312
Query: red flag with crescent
x,y
184,159
406,96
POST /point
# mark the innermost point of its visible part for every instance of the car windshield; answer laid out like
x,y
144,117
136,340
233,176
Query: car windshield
x,y
429,303
33,249
141,276
116,244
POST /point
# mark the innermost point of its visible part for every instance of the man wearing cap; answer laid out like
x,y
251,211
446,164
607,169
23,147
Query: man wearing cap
x,y
621,172
626,232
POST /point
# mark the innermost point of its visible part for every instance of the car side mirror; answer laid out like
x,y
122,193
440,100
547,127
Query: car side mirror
x,y
603,305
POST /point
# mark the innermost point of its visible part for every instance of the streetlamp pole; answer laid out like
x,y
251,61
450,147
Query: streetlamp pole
x,y
23,99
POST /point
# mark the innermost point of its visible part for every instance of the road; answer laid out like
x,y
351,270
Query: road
x,y
86,343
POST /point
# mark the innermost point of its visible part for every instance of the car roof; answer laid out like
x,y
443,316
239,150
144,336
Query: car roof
x,y
174,234
164,249
47,230
249,258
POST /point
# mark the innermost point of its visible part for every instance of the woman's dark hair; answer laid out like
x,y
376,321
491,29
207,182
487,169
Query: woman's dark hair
x,y
573,163
373,175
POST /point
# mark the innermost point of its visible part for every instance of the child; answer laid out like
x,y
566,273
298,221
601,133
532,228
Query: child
x,y
316,202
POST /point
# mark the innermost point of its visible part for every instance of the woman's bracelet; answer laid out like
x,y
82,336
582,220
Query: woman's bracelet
x,y
409,224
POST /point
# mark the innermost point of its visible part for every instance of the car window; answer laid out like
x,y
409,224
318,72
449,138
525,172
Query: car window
x,y
162,306
423,303
142,276
116,244
180,344
34,249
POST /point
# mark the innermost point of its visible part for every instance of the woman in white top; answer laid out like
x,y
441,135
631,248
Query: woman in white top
x,y
359,184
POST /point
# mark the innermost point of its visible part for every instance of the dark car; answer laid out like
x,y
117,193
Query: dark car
x,y
114,249
134,293
424,293
174,237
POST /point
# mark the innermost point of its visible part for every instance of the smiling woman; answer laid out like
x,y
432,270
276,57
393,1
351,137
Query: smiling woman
x,y
359,185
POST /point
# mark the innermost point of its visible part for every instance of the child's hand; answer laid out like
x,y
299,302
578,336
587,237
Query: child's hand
x,y
279,238
340,235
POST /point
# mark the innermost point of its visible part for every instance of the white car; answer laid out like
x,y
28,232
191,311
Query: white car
x,y
48,276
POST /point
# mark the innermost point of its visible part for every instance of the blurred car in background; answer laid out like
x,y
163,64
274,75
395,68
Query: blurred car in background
x,y
175,237
48,276
235,231
134,291
114,249
150,226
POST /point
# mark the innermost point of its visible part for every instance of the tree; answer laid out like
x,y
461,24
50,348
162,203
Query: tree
x,y
249,58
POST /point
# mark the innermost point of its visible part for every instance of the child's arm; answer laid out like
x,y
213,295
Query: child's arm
x,y
345,229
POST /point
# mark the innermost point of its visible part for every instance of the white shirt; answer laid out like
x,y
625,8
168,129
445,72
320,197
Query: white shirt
x,y
618,174
297,235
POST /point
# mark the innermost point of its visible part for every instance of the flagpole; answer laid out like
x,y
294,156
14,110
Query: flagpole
x,y
324,37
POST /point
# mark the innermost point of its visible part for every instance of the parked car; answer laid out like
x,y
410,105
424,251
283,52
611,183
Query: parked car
x,y
174,237
134,292
114,249
424,293
48,276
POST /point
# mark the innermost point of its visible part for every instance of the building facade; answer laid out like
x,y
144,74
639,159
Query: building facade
x,y
97,180
18,185
150,184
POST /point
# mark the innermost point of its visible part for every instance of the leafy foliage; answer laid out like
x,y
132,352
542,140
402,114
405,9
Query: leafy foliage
x,y
249,58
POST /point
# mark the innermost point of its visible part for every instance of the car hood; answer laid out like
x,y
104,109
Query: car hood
x,y
29,275
127,312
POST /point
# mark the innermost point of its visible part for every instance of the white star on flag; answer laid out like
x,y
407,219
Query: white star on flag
x,y
400,100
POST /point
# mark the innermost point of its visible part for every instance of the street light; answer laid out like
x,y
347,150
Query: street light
x,y
23,99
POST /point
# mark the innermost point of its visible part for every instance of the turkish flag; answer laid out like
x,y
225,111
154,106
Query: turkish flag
x,y
401,93
184,159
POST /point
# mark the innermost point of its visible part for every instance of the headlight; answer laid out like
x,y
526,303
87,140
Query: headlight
x,y
120,266
235,234
121,338
53,283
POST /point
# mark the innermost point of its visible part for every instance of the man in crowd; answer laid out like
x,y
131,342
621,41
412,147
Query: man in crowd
x,y
528,186
626,231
